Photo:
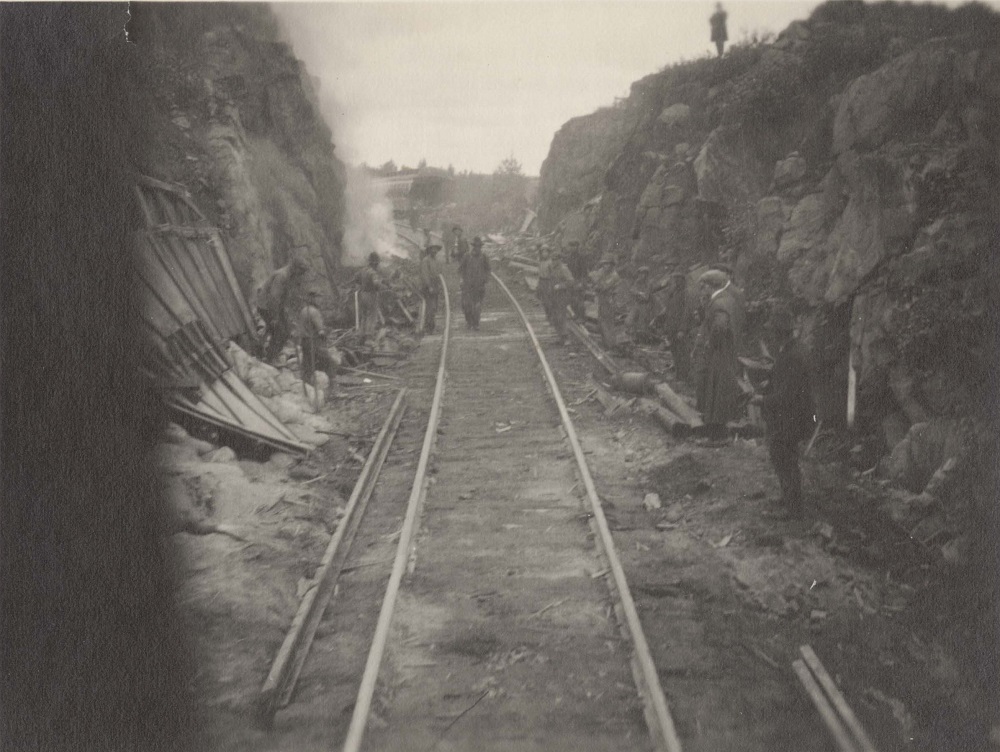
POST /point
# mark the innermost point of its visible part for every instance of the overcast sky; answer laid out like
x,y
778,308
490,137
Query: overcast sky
x,y
470,83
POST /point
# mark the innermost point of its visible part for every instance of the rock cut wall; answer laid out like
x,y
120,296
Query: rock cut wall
x,y
236,121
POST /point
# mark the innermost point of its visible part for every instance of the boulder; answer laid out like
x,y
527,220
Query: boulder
x,y
221,455
675,114
926,448
771,218
905,96
805,229
789,171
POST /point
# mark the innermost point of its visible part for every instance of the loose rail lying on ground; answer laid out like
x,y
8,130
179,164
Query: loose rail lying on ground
x,y
280,682
359,718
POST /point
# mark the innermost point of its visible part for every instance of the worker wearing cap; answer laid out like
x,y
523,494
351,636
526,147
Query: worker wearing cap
x,y
544,290
716,366
369,283
272,303
606,282
563,286
787,407
430,285
312,336
475,271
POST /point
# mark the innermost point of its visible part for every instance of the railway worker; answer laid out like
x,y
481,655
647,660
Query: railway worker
x,y
676,321
273,302
787,406
606,282
545,280
461,245
563,286
718,25
430,285
475,271
578,263
449,243
642,312
741,302
312,342
716,365
369,283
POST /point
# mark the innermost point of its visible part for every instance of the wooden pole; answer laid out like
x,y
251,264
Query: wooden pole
x,y
826,711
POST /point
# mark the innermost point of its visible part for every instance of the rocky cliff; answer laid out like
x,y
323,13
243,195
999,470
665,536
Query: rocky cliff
x,y
235,120
848,168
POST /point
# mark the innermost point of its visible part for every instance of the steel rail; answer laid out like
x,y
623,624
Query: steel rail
x,y
362,706
658,714
280,683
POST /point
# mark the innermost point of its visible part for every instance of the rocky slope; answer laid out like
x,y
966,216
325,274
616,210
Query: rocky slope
x,y
235,120
848,168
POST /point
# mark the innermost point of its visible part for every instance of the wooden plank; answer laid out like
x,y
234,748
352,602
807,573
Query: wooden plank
x,y
183,271
222,256
672,401
599,355
675,426
864,742
826,711
228,321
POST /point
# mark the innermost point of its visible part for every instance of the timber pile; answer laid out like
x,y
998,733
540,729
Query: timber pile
x,y
673,413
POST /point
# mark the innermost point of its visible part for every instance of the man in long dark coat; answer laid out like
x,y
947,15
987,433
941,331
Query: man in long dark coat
x,y
475,270
715,357
787,407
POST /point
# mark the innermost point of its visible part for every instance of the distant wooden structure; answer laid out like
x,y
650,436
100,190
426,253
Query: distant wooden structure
x,y
192,306
410,190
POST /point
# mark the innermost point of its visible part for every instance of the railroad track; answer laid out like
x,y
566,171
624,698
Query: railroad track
x,y
506,622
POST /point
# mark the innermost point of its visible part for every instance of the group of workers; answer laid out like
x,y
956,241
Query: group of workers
x,y
473,269
710,362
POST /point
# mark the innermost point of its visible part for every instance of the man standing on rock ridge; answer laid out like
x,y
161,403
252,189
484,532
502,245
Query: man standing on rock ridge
x,y
475,271
718,24
272,302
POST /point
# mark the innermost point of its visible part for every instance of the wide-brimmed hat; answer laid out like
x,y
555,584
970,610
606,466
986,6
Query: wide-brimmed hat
x,y
433,248
373,257
477,242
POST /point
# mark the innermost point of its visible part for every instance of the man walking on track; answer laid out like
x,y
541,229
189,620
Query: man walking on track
x,y
369,283
475,270
315,356
715,357
787,407
273,301
430,285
